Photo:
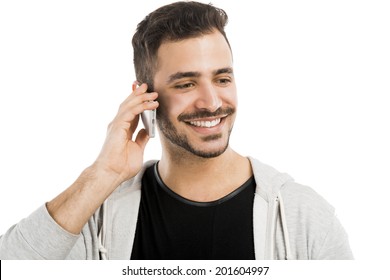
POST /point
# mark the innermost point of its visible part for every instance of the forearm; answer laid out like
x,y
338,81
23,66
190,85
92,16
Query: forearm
x,y
73,207
38,237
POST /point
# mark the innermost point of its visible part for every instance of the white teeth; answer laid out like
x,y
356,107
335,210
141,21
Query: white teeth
x,y
207,124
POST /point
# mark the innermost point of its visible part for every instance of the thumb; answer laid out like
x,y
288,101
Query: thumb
x,y
142,138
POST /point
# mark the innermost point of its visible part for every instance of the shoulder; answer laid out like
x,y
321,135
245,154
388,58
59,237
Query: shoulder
x,y
305,200
314,228
307,212
310,219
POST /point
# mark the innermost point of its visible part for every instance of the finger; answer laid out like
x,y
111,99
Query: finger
x,y
142,88
133,126
129,120
135,85
134,99
128,112
137,90
137,104
142,138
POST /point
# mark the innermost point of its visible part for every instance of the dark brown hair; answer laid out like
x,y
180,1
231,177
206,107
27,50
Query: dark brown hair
x,y
173,22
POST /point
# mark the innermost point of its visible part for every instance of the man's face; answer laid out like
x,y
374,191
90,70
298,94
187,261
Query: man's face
x,y
197,94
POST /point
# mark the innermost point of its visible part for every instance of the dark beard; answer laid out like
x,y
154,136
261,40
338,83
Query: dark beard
x,y
170,132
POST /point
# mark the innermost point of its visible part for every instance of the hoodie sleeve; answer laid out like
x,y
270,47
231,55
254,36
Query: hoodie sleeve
x,y
336,244
37,237
315,232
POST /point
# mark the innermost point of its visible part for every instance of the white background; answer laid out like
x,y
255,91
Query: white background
x,y
313,79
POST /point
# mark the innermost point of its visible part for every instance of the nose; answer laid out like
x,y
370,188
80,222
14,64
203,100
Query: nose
x,y
208,98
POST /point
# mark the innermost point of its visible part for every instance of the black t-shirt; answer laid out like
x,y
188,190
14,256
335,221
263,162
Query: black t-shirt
x,y
172,227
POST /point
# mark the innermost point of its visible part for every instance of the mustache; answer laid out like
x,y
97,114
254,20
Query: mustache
x,y
206,114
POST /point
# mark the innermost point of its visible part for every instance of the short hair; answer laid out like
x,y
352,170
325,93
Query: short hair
x,y
170,23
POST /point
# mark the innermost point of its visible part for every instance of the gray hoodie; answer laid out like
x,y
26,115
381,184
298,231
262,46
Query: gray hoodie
x,y
290,221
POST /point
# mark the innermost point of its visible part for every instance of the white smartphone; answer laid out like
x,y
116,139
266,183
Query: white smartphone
x,y
149,120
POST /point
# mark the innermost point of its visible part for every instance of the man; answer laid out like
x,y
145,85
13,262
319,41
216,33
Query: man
x,y
201,200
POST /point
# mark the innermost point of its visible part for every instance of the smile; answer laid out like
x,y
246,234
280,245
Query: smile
x,y
207,124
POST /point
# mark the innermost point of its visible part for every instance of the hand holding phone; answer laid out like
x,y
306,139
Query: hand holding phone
x,y
148,118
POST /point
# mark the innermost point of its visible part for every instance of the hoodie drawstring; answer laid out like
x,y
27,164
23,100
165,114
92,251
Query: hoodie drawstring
x,y
279,202
272,226
284,227
102,234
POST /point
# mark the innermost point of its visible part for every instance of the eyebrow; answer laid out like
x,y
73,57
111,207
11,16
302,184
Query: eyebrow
x,y
226,70
192,74
180,75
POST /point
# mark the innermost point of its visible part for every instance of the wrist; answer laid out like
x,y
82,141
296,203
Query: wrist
x,y
103,173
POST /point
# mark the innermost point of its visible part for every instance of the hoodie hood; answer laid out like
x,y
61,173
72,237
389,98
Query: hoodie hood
x,y
269,181
268,208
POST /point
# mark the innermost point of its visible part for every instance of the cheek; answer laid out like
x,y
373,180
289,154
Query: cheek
x,y
230,97
172,107
234,99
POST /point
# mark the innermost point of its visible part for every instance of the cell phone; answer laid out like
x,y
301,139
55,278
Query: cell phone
x,y
148,118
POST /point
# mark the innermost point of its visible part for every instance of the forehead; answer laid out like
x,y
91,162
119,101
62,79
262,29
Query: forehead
x,y
202,54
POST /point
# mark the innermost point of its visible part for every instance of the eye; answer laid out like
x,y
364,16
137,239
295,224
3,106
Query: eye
x,y
224,81
184,86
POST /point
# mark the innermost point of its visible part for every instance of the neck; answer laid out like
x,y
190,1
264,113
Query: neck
x,y
204,179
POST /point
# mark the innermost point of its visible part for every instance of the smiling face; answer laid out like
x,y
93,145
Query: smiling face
x,y
197,95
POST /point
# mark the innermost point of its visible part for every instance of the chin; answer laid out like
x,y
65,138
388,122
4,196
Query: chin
x,y
208,149
186,142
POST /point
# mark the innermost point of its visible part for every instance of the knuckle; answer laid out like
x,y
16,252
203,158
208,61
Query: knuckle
x,y
146,105
109,126
149,96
